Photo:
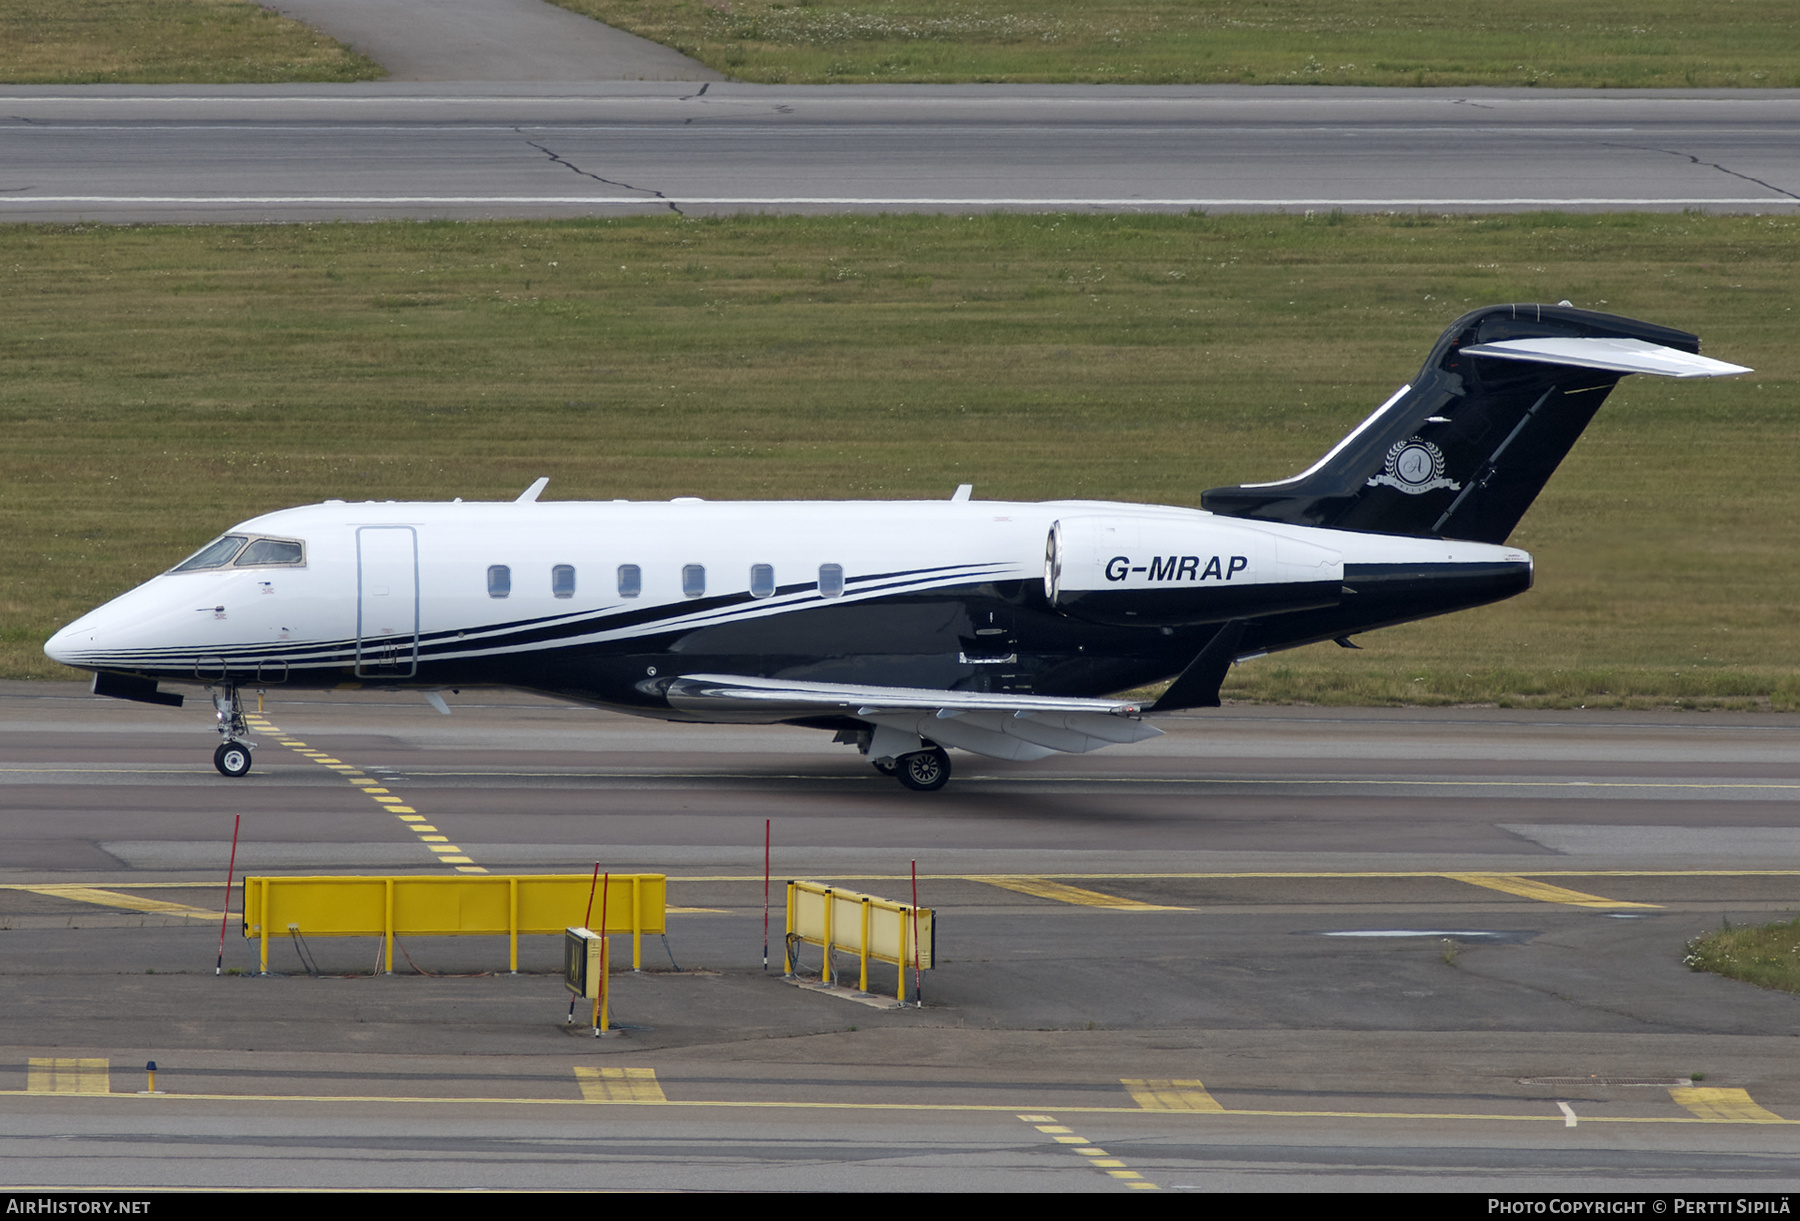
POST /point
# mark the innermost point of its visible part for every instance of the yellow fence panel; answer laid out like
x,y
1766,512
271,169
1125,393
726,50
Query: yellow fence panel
x,y
491,905
864,925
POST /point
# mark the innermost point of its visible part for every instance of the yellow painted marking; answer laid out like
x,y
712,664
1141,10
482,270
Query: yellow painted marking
x,y
1723,1105
392,805
691,911
1165,1094
1096,1157
619,1085
924,1108
1143,1186
48,1075
108,898
1044,888
1544,892
1260,874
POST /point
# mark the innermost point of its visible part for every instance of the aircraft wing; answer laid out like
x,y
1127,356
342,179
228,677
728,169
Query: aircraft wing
x,y
999,725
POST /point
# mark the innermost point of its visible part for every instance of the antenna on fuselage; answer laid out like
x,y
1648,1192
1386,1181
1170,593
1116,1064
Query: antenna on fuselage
x,y
529,495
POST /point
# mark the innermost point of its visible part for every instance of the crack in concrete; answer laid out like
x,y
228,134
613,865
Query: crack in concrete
x,y
576,169
1712,165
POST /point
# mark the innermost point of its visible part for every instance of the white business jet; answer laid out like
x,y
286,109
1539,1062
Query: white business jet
x,y
905,627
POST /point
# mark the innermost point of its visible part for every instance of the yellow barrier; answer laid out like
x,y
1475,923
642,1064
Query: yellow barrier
x,y
860,924
464,906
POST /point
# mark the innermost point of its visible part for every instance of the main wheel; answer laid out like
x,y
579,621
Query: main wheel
x,y
886,767
232,759
924,771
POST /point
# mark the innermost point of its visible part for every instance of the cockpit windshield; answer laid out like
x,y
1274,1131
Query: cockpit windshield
x,y
241,551
266,551
215,554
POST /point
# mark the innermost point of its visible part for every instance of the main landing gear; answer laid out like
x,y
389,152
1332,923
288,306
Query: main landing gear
x,y
922,771
233,756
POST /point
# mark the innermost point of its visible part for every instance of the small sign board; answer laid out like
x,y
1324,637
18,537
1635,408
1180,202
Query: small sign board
x,y
582,970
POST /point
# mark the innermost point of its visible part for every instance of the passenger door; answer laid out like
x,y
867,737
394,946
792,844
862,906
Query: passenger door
x,y
387,601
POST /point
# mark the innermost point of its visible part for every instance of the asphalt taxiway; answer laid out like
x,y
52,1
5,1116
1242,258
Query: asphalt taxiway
x,y
1276,948
582,148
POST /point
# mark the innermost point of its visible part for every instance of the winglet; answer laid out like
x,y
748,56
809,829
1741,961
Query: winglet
x,y
963,491
529,495
1198,685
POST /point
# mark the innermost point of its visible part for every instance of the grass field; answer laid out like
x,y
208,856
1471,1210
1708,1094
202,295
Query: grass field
x,y
1602,43
162,383
143,42
1767,955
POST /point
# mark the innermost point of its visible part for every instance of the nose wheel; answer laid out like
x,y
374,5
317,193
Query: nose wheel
x,y
232,759
233,756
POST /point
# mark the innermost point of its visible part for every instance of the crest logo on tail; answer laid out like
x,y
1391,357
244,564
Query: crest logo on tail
x,y
1414,466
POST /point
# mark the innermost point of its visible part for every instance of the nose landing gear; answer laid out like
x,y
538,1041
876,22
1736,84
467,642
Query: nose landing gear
x,y
233,756
232,759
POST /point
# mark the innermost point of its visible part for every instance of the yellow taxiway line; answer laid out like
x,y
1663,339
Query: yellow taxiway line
x,y
1555,1117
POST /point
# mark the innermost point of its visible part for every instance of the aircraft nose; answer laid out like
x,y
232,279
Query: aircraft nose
x,y
66,645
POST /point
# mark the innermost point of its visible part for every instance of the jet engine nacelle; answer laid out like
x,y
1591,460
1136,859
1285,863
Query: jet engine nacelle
x,y
1177,572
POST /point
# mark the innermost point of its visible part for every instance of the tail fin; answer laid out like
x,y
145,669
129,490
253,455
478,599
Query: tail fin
x,y
1464,450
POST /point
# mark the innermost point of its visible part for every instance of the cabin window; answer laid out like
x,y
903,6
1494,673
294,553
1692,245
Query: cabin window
x,y
631,580
499,581
562,580
831,580
215,554
693,580
272,552
762,580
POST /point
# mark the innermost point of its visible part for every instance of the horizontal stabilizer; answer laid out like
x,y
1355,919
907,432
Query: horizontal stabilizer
x,y
1616,355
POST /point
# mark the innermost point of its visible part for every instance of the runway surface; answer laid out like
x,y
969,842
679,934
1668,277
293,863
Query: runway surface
x,y
579,149
1277,948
